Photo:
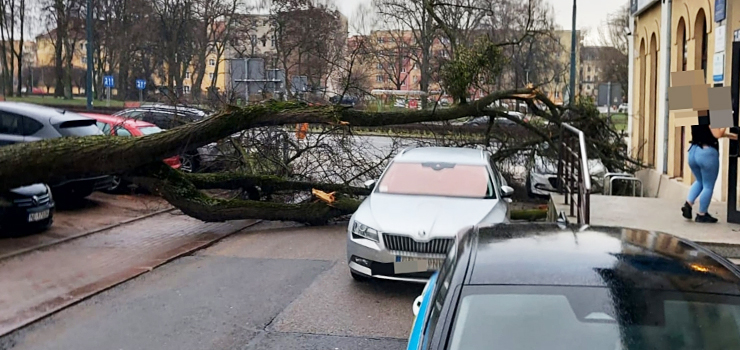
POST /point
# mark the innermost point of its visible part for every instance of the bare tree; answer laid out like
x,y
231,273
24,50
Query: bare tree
x,y
614,58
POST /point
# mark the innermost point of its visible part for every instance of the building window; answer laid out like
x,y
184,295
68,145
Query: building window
x,y
186,89
416,79
83,60
380,66
403,69
211,62
253,38
588,78
379,78
588,68
210,76
273,41
187,75
380,40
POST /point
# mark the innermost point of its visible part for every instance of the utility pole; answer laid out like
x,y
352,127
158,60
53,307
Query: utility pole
x,y
88,81
609,102
571,98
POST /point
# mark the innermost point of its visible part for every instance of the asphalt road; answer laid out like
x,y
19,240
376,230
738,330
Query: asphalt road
x,y
260,289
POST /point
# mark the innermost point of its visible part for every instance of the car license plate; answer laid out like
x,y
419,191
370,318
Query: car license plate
x,y
405,264
33,217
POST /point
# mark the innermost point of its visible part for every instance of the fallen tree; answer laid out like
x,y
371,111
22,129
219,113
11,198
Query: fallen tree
x,y
139,159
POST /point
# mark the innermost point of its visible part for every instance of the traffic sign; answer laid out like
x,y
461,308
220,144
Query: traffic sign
x,y
140,84
108,81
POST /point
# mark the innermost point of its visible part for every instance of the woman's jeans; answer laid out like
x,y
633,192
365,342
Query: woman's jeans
x,y
704,164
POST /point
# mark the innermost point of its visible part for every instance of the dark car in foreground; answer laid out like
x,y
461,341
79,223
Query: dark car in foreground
x,y
26,122
546,286
27,208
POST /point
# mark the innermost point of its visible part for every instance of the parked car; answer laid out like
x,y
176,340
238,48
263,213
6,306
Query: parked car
x,y
623,108
542,173
404,228
119,126
483,120
25,122
546,286
26,208
168,117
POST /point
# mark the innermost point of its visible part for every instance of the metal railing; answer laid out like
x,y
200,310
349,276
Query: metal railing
x,y
574,179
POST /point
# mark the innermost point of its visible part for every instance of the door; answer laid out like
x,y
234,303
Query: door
x,y
733,207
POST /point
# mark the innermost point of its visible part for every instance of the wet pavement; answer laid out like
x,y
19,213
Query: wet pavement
x,y
266,287
42,281
98,211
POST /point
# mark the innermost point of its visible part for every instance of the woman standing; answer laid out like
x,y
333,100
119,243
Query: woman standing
x,y
704,164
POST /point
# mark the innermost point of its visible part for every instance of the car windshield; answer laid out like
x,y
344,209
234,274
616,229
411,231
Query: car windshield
x,y
437,179
148,130
589,318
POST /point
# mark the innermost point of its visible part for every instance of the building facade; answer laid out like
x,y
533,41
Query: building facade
x,y
688,37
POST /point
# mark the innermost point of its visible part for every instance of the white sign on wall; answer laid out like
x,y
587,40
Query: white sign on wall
x,y
719,39
718,68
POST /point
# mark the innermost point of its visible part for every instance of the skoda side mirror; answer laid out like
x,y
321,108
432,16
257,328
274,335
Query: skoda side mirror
x,y
369,184
507,191
417,305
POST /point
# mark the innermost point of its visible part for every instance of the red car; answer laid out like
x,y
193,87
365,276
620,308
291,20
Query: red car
x,y
119,126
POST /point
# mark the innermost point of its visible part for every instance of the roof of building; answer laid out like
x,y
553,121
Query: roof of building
x,y
549,254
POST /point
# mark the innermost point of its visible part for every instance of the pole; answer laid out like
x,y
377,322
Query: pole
x,y
572,94
107,96
667,23
88,82
630,84
609,102
141,96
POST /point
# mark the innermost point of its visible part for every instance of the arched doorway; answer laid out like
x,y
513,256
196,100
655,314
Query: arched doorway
x,y
641,115
653,90
682,55
700,42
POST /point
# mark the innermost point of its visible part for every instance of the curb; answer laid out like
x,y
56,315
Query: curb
x,y
67,239
131,276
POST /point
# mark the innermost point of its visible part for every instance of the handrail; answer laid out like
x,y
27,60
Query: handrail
x,y
584,156
574,182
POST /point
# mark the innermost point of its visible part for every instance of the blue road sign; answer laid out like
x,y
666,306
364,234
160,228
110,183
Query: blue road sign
x,y
140,84
108,81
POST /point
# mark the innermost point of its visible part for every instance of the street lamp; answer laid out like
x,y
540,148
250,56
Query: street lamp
x,y
571,98
88,85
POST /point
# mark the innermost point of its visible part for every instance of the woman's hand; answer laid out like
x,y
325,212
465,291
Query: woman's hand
x,y
731,136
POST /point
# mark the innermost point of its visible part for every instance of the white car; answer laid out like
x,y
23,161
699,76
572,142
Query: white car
x,y
542,175
405,227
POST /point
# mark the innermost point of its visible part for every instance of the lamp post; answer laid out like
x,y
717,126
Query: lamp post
x,y
571,98
88,81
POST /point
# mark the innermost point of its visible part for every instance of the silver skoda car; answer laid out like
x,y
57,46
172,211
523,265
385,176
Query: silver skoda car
x,y
405,227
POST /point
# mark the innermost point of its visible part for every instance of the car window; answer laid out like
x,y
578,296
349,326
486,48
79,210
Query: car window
x,y
104,127
130,113
120,131
437,179
11,124
148,130
592,318
80,127
31,126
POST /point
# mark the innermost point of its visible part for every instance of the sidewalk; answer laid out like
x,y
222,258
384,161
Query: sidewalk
x,y
660,214
41,282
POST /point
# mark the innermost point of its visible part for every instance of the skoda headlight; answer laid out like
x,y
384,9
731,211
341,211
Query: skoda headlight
x,y
364,231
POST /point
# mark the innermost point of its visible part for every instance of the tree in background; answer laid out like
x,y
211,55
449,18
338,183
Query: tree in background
x,y
615,57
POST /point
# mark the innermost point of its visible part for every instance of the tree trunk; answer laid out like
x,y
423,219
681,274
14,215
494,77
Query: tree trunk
x,y
60,159
60,32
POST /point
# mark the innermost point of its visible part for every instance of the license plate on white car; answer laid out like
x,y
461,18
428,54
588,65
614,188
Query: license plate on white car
x,y
405,264
38,216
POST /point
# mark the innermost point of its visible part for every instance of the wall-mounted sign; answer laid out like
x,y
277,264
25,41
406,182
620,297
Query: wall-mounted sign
x,y
718,67
637,6
720,10
719,39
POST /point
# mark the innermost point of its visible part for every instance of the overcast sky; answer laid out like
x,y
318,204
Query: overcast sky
x,y
591,13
